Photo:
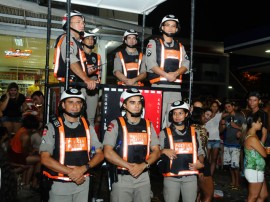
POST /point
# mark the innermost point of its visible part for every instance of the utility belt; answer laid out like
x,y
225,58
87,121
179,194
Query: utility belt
x,y
125,172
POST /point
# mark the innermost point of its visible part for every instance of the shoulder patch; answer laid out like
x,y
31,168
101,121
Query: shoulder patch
x,y
44,132
186,57
149,53
149,45
110,127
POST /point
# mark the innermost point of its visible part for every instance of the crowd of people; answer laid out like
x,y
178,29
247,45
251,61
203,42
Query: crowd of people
x,y
61,155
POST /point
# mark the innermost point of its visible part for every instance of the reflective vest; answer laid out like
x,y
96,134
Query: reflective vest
x,y
186,150
131,65
60,64
135,147
169,59
94,59
72,148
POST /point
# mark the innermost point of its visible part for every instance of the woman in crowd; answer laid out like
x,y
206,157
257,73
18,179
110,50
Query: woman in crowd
x,y
11,104
212,126
205,181
255,155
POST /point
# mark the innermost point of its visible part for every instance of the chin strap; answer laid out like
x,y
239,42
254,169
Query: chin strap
x,y
135,114
169,34
80,33
74,115
90,47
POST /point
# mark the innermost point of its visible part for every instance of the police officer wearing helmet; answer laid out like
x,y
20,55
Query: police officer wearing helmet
x,y
131,144
77,56
93,70
166,62
180,153
65,150
129,63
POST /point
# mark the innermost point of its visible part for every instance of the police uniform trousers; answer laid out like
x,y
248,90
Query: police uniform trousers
x,y
69,191
130,189
185,186
91,103
167,99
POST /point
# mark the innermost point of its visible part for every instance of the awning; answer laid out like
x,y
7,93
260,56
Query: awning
x,y
131,6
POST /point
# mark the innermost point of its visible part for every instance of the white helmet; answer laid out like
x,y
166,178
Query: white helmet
x,y
177,105
72,93
169,18
131,92
87,34
130,32
72,13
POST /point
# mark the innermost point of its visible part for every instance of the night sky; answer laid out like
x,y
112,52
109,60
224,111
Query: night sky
x,y
214,19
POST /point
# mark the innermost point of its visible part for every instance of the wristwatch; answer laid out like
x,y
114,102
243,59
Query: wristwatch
x,y
147,164
87,166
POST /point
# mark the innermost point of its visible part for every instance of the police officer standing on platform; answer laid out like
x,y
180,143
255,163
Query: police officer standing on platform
x,y
77,56
131,144
129,63
166,62
93,70
66,148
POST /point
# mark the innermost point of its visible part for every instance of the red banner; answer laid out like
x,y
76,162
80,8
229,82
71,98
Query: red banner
x,y
111,107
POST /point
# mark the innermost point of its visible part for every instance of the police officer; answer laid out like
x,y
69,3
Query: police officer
x,y
77,56
93,70
129,63
65,150
131,144
180,152
166,62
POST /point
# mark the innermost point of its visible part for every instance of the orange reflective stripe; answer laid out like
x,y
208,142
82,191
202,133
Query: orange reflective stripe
x,y
59,177
149,138
122,83
186,172
123,63
194,142
170,137
86,127
124,127
57,55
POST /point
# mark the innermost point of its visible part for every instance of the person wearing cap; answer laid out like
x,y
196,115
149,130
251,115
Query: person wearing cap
x,y
131,144
232,123
65,150
181,155
166,62
254,101
129,63
93,71
77,71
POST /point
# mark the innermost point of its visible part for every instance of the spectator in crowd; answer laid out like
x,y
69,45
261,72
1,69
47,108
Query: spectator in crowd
x,y
93,64
129,63
65,150
11,106
32,88
181,155
255,155
212,126
131,144
232,123
166,62
21,151
254,100
205,180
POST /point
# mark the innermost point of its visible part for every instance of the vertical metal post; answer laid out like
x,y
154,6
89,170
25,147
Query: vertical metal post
x,y
67,45
143,31
47,66
191,49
